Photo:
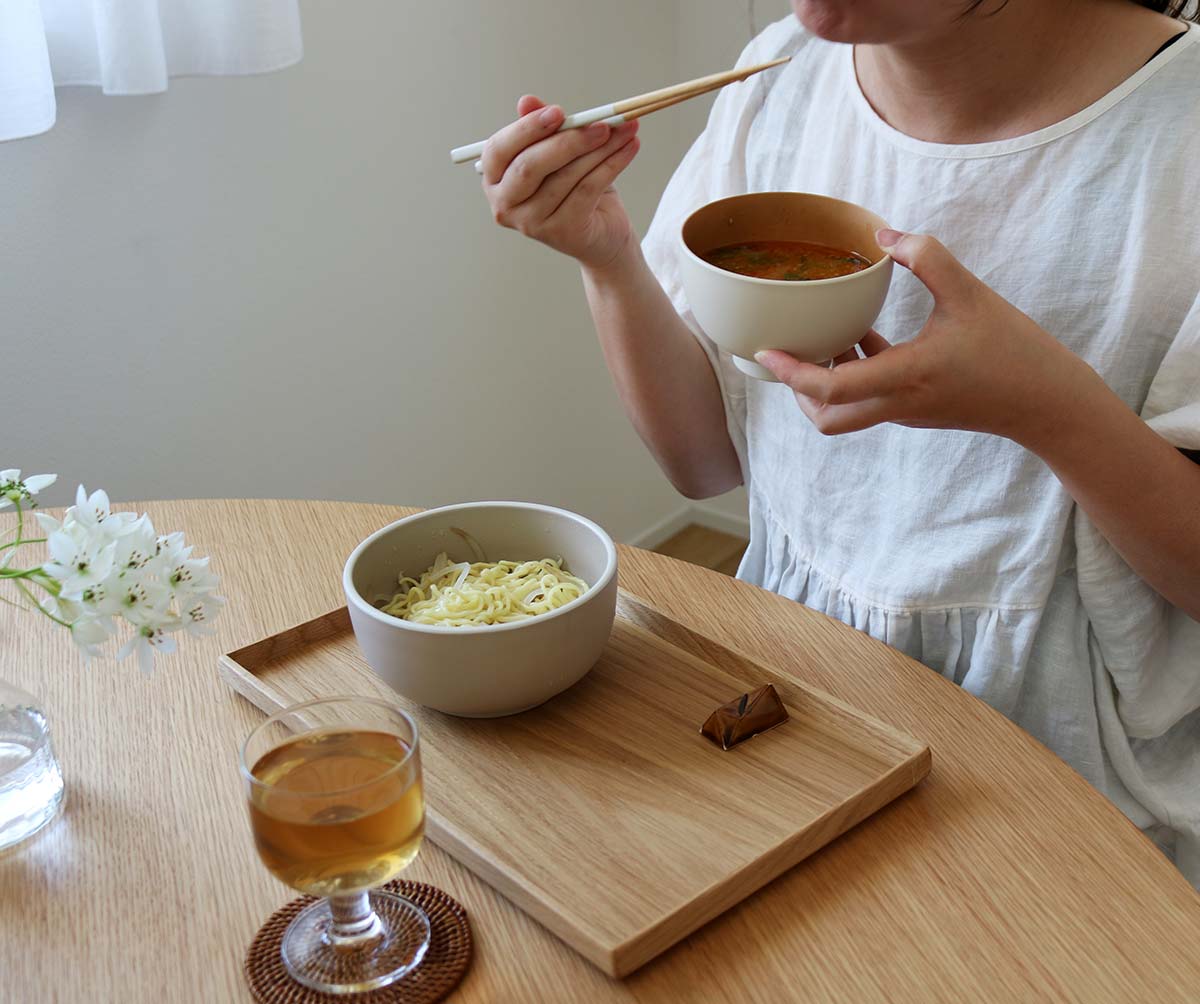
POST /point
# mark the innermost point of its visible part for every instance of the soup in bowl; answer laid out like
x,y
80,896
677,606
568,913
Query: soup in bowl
x,y
784,270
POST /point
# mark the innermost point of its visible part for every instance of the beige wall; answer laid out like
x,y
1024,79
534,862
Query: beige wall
x,y
712,33
278,286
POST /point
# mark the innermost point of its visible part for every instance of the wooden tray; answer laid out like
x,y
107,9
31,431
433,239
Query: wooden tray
x,y
604,813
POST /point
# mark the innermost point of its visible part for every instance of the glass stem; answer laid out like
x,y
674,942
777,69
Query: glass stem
x,y
355,926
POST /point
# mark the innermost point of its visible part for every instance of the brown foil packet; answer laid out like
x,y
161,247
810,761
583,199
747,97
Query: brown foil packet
x,y
744,717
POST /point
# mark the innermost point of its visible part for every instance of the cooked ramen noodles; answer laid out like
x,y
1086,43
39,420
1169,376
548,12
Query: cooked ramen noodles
x,y
462,594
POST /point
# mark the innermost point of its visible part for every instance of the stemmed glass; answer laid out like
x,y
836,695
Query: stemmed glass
x,y
337,809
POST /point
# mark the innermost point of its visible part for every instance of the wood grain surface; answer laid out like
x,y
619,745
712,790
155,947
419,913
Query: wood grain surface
x,y
701,545
1002,877
604,813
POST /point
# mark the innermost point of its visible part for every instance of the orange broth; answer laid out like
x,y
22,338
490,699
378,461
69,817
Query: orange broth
x,y
789,260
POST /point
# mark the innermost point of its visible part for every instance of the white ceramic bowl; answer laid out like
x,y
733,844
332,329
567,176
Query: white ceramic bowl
x,y
501,669
814,320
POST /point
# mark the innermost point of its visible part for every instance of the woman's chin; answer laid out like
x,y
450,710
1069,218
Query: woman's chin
x,y
862,23
825,19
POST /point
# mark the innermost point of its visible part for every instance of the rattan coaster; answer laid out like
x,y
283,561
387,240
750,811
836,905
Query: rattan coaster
x,y
441,970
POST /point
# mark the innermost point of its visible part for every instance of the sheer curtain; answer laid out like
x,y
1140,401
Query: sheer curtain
x,y
131,47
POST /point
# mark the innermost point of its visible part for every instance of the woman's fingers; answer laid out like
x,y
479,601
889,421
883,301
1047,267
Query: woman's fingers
x,y
878,376
530,168
598,181
528,103
834,420
504,145
558,186
850,396
872,343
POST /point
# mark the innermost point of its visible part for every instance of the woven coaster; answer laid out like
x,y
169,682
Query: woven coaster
x,y
441,970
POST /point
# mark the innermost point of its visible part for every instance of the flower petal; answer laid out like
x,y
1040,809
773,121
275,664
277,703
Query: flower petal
x,y
86,631
48,524
99,503
56,571
36,482
12,474
63,548
102,564
164,643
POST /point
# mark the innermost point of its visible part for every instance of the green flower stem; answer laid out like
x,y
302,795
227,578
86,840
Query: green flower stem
x,y
48,583
37,606
34,575
19,541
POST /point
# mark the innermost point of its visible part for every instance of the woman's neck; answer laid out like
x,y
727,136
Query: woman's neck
x,y
992,76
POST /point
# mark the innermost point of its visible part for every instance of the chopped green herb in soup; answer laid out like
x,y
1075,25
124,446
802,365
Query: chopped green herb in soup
x,y
791,260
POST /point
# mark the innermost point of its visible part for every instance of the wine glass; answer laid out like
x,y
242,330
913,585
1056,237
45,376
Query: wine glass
x,y
337,809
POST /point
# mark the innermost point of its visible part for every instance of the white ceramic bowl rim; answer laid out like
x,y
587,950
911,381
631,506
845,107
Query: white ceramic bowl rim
x,y
594,588
776,282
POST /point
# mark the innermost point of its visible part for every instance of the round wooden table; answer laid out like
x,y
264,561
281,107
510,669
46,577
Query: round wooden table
x,y
1002,877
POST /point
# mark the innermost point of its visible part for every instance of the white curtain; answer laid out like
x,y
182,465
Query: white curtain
x,y
131,47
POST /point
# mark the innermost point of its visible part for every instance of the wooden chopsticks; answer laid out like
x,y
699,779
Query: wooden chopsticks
x,y
636,107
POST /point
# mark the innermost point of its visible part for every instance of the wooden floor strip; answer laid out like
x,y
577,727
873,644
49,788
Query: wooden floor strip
x,y
708,548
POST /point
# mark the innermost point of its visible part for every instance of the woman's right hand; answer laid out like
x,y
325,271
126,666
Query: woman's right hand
x,y
556,187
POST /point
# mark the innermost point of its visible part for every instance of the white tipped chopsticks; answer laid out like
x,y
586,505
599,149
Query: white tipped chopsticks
x,y
636,107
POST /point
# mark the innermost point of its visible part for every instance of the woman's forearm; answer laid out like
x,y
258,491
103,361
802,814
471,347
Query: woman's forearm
x,y
1138,490
662,376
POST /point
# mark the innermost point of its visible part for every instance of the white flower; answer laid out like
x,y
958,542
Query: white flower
x,y
150,638
136,546
113,566
141,600
198,612
64,610
80,559
100,602
94,514
89,634
171,550
190,576
13,489
90,510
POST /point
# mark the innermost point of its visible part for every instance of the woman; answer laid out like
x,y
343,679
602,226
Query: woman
x,y
1000,486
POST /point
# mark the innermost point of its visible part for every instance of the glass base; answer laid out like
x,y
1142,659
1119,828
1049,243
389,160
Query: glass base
x,y
383,949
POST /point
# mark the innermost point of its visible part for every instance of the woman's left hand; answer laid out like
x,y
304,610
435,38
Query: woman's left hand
x,y
979,363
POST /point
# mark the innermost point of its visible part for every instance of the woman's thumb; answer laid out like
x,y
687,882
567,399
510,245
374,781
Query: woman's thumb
x,y
927,259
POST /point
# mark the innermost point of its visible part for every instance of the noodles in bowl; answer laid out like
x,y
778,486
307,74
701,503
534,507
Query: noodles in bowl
x,y
461,594
508,636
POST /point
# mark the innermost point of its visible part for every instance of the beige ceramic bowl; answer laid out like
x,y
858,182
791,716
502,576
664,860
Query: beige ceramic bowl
x,y
494,670
814,320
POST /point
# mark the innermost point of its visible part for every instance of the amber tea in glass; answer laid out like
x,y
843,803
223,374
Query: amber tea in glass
x,y
337,809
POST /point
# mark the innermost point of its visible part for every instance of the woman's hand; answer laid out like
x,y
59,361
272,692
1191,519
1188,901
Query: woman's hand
x,y
977,364
980,364
556,187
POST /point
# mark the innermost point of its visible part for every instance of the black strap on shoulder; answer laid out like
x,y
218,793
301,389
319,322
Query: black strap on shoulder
x,y
1166,45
